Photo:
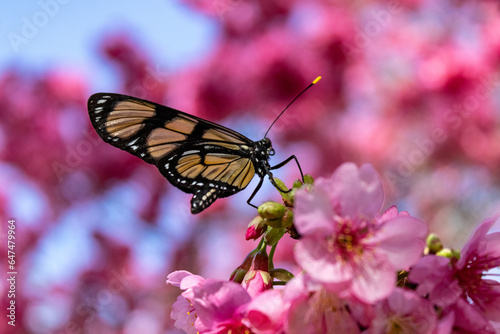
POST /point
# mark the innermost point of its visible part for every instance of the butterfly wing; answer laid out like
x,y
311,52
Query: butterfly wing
x,y
195,155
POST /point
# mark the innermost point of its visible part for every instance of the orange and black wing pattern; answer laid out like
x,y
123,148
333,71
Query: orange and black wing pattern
x,y
195,155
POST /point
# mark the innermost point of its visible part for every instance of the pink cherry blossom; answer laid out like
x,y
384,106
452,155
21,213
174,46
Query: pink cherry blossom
x,y
462,286
434,276
266,312
220,307
480,254
345,243
314,309
468,319
183,311
404,311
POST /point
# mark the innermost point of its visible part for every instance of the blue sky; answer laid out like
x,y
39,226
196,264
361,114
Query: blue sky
x,y
66,33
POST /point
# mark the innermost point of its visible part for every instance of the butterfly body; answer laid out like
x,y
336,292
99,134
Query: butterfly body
x,y
197,156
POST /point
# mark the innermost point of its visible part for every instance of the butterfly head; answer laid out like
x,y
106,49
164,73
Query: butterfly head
x,y
262,151
265,147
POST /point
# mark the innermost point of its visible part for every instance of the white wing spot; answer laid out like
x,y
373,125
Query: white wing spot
x,y
190,152
101,101
132,142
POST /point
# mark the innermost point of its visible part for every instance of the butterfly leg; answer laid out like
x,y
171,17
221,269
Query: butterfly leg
x,y
281,164
255,192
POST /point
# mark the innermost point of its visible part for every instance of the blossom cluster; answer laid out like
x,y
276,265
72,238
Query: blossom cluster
x,y
360,270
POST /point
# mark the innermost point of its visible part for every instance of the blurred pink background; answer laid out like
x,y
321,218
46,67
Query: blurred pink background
x,y
412,87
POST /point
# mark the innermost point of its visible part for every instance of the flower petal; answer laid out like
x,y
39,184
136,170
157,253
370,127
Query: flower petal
x,y
434,277
175,278
401,240
356,190
472,245
218,301
183,315
190,281
313,212
376,281
469,320
266,311
315,258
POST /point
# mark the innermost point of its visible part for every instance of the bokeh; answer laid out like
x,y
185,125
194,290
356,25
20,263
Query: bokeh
x,y
412,87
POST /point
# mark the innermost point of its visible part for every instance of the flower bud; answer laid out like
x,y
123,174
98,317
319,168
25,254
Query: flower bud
x,y
239,273
258,278
256,228
271,210
297,184
308,179
434,243
449,253
285,221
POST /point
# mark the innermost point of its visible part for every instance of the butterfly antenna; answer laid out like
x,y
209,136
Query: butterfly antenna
x,y
289,104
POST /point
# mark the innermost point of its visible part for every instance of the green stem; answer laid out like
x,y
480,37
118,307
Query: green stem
x,y
262,244
271,255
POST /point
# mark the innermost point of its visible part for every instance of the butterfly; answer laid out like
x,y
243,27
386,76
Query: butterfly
x,y
197,156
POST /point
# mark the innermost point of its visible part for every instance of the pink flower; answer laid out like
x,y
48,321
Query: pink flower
x,y
220,307
468,319
434,277
460,286
480,254
313,309
404,311
266,312
183,311
345,244
210,306
464,279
